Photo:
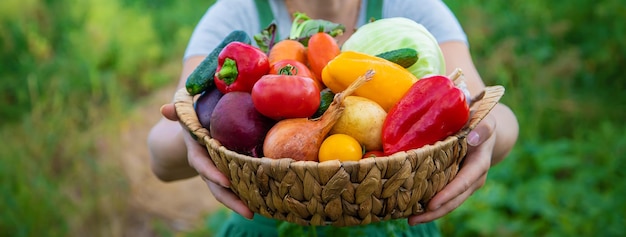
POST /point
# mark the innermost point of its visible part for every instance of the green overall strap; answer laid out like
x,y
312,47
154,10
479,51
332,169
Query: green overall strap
x,y
266,16
374,10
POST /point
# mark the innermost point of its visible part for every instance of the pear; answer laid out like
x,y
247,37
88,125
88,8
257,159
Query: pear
x,y
363,120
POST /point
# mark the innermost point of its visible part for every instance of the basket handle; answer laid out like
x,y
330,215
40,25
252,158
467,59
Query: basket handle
x,y
483,103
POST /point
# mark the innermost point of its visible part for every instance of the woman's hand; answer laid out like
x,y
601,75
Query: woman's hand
x,y
199,159
170,143
472,174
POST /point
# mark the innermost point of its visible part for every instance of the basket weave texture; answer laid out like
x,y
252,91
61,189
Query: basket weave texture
x,y
340,193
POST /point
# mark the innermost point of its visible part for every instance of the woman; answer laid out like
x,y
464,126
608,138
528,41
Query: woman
x,y
175,155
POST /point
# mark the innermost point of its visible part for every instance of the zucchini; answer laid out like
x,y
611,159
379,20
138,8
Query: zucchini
x,y
404,57
201,79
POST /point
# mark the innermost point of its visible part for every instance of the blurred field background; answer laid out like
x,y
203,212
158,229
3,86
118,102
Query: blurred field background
x,y
81,83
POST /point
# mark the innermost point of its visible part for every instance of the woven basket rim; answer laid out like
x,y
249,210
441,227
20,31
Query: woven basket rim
x,y
214,144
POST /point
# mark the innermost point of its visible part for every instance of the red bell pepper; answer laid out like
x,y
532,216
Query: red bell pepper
x,y
431,110
240,65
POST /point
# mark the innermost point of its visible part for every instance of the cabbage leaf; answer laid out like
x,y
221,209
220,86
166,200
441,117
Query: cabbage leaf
x,y
398,32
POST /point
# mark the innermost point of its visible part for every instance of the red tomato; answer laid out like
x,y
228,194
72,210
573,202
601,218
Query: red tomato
x,y
282,96
297,68
293,67
374,154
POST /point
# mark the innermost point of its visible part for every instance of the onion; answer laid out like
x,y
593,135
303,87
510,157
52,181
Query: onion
x,y
301,138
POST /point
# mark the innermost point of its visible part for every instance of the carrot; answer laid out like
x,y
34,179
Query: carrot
x,y
322,48
287,49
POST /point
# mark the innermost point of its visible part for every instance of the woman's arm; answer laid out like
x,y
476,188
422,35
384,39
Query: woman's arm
x,y
165,141
175,155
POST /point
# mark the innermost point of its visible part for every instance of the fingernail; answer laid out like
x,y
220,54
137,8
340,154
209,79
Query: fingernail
x,y
473,138
225,185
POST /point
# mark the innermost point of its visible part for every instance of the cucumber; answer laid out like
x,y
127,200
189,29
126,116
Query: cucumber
x,y
326,98
404,57
201,79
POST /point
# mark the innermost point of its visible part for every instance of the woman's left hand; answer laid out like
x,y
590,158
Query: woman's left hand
x,y
472,174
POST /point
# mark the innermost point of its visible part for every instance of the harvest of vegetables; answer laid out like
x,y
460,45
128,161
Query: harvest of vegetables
x,y
313,133
292,81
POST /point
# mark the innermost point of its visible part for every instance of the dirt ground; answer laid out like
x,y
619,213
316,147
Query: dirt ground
x,y
181,205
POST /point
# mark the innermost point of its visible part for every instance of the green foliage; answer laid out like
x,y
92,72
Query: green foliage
x,y
68,67
551,188
73,50
553,58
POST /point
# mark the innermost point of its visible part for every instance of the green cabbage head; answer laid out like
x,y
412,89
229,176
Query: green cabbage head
x,y
394,33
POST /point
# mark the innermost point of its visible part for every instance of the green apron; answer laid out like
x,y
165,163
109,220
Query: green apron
x,y
260,226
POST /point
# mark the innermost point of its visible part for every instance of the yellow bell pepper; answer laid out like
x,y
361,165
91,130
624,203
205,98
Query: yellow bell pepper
x,y
388,85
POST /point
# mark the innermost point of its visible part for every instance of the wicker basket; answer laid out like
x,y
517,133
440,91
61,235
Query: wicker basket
x,y
340,193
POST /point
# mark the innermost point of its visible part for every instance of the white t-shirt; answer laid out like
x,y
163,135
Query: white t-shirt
x,y
227,15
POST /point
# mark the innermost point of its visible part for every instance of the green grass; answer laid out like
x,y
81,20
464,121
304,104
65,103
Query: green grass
x,y
71,69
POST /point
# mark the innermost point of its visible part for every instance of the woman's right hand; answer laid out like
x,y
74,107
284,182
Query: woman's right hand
x,y
199,159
